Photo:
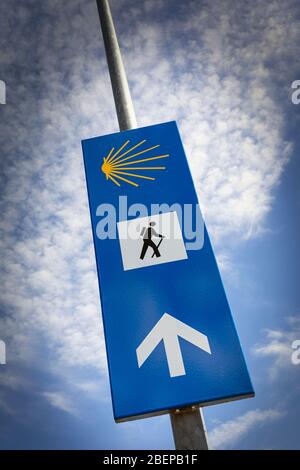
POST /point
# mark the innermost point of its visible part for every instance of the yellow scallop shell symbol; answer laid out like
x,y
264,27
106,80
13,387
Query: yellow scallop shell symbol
x,y
118,166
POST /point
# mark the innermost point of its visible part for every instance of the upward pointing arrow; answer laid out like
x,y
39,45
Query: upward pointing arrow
x,y
169,329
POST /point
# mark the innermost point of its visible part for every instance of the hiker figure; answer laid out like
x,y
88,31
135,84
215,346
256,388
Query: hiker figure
x,y
148,234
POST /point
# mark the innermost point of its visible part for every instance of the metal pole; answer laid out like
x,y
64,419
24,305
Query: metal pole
x,y
187,424
189,429
122,97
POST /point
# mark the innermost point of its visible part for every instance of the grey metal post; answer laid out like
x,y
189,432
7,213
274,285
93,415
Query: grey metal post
x,y
122,97
187,424
189,429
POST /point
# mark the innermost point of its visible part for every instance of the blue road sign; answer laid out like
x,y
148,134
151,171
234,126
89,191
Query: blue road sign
x,y
170,338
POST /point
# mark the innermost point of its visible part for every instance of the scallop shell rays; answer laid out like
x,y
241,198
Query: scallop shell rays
x,y
121,166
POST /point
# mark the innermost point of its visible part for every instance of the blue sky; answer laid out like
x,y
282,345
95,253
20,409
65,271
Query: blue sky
x,y
223,70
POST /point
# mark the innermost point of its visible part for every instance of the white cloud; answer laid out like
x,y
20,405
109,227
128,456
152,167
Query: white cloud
x,y
61,401
227,435
5,406
215,81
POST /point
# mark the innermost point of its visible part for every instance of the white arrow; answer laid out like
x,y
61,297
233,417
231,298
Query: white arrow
x,y
168,329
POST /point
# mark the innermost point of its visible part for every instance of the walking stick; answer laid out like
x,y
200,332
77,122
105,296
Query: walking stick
x,y
157,247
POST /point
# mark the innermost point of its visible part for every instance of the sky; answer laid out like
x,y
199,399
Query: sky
x,y
223,70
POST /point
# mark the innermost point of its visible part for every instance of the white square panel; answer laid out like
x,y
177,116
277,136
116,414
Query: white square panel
x,y
147,241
